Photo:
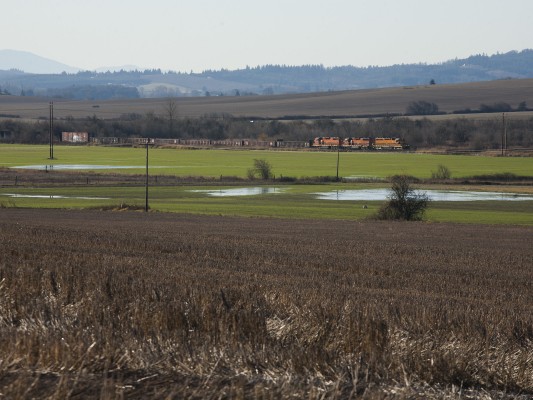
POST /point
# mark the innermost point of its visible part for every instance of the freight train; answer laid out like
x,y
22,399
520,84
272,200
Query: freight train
x,y
361,143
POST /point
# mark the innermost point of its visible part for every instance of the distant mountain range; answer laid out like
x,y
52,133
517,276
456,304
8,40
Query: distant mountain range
x,y
23,73
32,63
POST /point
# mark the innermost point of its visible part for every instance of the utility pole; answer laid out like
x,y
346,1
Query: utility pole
x,y
504,135
51,130
146,186
338,157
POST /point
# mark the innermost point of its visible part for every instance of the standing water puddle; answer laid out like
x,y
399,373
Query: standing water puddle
x,y
373,194
63,167
434,195
251,191
51,196
74,167
353,195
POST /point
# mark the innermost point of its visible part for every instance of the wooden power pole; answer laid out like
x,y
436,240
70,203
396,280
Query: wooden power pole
x,y
51,130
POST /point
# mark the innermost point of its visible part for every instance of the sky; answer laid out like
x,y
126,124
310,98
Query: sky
x,y
197,35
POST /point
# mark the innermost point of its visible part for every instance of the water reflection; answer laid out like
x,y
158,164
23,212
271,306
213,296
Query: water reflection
x,y
63,167
248,191
51,196
434,195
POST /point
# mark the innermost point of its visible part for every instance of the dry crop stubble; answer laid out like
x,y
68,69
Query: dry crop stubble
x,y
106,304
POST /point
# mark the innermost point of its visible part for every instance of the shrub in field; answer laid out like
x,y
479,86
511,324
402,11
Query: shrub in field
x,y
443,172
404,202
261,168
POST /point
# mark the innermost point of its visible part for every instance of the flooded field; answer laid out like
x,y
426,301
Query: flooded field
x,y
371,194
434,195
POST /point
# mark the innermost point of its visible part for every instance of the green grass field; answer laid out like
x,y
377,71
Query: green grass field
x,y
214,163
292,201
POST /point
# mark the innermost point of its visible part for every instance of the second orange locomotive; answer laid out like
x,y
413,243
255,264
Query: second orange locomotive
x,y
361,143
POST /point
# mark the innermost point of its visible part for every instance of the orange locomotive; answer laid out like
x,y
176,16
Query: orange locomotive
x,y
357,143
327,142
382,143
361,143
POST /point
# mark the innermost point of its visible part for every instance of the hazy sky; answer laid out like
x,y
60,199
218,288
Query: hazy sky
x,y
185,35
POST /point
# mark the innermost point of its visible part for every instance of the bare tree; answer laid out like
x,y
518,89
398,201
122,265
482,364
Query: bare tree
x,y
171,111
404,202
422,108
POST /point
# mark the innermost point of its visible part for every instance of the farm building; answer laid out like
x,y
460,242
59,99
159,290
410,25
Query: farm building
x,y
75,137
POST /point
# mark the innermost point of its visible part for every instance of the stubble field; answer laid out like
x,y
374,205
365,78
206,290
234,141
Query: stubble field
x,y
152,305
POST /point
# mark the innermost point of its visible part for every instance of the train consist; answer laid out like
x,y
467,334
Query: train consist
x,y
319,143
362,143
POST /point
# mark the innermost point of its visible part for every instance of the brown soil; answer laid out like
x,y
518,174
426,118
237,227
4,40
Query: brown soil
x,y
135,305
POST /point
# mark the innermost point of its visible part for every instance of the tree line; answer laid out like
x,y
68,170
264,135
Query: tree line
x,y
267,79
422,107
467,133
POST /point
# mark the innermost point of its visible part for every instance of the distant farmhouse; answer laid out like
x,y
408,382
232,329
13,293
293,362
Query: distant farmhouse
x,y
75,137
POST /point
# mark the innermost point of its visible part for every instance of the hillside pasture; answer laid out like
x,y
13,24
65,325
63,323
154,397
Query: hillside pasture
x,y
448,98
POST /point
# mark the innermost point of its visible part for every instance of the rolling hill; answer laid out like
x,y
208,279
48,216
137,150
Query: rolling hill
x,y
351,103
251,81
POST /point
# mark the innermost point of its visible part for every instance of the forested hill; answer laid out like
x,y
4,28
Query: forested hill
x,y
268,79
318,78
